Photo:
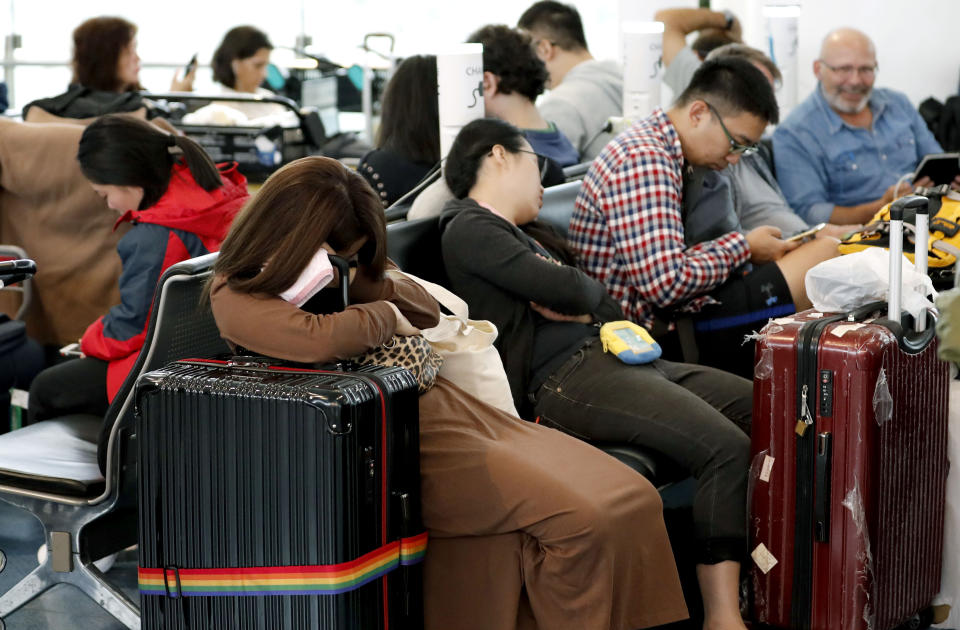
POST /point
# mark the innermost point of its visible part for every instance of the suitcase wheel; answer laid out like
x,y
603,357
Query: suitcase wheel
x,y
919,621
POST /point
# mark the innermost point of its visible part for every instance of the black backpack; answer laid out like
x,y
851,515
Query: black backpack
x,y
943,120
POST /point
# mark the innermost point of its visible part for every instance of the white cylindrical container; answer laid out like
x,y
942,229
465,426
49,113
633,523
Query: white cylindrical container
x,y
633,11
781,44
459,90
642,59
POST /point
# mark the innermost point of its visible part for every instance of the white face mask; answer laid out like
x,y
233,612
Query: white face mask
x,y
317,274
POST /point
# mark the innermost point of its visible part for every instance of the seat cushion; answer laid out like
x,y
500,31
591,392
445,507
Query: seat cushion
x,y
57,456
657,468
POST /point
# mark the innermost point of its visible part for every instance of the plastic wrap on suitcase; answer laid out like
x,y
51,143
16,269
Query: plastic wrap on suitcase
x,y
848,481
277,497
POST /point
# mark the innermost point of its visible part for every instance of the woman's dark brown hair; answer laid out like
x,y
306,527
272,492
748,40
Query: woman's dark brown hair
x,y
306,203
97,44
240,42
410,118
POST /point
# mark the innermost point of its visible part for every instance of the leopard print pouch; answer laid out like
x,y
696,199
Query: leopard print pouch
x,y
412,352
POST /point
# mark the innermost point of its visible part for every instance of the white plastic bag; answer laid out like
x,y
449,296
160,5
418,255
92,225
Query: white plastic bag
x,y
844,283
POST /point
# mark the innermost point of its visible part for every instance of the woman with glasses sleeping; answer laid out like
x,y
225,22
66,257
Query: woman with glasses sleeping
x,y
519,273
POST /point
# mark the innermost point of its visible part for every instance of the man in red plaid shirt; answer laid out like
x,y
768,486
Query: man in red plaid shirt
x,y
628,223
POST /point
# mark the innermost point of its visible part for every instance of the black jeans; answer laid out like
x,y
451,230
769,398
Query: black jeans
x,y
74,386
17,369
698,416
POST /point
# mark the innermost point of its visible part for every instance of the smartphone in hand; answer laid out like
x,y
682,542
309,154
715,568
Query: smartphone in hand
x,y
804,235
72,350
190,65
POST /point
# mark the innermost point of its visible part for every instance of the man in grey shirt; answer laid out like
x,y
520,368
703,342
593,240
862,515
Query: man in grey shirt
x,y
713,28
584,92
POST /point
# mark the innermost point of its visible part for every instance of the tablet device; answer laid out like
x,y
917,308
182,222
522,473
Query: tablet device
x,y
940,167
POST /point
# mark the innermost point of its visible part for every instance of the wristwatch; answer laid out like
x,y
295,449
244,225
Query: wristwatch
x,y
731,18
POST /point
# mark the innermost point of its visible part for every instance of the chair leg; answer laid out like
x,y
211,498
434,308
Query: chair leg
x,y
90,580
34,583
87,578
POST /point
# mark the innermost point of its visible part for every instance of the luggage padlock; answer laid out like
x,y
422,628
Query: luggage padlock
x,y
805,418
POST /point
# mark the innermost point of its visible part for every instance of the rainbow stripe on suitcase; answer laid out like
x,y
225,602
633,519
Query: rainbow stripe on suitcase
x,y
331,579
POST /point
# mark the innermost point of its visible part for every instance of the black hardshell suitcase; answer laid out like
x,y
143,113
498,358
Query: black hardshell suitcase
x,y
275,497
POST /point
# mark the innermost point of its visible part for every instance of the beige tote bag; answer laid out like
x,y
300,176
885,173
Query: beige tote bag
x,y
469,359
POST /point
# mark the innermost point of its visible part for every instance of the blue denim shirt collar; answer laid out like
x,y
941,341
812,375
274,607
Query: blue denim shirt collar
x,y
878,103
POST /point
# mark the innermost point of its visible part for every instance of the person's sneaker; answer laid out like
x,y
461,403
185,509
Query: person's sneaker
x,y
104,564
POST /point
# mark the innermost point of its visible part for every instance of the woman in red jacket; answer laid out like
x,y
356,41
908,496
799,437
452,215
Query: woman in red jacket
x,y
180,205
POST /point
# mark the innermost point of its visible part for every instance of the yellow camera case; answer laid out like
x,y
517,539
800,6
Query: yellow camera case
x,y
629,342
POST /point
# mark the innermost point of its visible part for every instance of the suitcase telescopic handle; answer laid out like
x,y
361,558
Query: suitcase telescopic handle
x,y
897,208
343,268
921,244
910,341
13,271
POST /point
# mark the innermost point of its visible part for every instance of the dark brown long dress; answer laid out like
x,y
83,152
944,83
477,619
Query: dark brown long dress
x,y
513,508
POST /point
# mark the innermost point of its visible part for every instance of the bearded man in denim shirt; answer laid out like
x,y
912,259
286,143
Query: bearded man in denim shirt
x,y
840,153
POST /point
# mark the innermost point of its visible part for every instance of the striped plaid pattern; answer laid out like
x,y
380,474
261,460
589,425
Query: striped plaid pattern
x,y
627,226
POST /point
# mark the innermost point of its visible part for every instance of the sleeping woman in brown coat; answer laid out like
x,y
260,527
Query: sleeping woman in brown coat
x,y
595,553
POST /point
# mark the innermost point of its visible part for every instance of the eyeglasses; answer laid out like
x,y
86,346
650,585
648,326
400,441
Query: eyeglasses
x,y
736,148
536,42
845,72
543,162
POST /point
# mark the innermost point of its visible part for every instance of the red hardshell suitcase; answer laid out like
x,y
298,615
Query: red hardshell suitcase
x,y
846,520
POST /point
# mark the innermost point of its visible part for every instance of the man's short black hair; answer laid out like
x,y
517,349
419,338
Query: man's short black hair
x,y
559,22
734,86
507,53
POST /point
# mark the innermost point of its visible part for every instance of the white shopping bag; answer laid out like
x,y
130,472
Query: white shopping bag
x,y
469,359
842,284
